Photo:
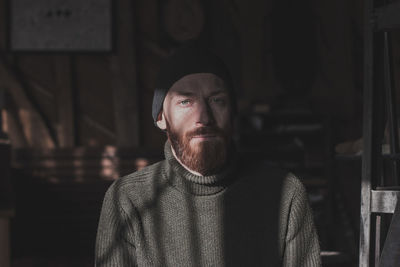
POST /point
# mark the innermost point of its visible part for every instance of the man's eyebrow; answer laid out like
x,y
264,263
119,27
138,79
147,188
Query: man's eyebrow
x,y
183,93
217,92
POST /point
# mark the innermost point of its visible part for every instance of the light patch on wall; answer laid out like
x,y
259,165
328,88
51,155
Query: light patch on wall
x,y
61,25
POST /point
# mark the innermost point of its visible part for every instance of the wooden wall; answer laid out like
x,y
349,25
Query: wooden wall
x,y
274,49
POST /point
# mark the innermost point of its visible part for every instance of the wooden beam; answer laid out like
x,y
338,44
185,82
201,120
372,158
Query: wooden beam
x,y
34,126
65,101
384,201
14,127
369,141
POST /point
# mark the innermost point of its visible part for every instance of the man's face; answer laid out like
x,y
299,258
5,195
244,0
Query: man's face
x,y
197,116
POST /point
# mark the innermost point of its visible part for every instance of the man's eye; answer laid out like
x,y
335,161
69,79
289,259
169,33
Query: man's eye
x,y
218,100
184,102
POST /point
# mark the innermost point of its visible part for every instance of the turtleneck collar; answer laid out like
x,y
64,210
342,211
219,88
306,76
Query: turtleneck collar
x,y
187,182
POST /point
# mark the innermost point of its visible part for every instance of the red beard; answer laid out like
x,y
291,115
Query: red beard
x,y
203,156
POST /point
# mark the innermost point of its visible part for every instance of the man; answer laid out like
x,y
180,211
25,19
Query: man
x,y
202,205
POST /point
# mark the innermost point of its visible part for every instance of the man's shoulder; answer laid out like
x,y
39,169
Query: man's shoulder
x,y
264,171
137,182
141,176
273,176
292,185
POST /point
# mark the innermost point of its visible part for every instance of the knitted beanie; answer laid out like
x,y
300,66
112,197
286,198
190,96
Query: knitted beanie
x,y
188,59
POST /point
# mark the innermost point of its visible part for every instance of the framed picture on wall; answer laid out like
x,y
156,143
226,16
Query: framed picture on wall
x,y
60,25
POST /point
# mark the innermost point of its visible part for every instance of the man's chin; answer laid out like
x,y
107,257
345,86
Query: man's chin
x,y
205,145
200,139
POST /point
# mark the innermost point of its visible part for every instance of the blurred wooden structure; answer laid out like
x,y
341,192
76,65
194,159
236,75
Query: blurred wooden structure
x,y
65,189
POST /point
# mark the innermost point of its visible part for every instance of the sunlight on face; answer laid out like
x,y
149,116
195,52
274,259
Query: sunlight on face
x,y
198,100
197,116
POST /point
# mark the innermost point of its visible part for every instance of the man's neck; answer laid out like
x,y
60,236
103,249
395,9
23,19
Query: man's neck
x,y
180,162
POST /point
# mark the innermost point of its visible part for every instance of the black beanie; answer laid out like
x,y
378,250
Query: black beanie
x,y
189,59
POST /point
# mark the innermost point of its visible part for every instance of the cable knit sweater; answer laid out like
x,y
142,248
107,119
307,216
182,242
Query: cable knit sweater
x,y
248,215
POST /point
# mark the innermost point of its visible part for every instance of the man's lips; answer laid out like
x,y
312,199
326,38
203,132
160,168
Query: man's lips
x,y
205,133
204,136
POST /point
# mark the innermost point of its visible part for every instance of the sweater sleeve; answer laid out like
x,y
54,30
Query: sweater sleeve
x,y
114,241
301,241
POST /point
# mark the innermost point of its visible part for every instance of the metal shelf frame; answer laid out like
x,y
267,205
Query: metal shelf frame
x,y
379,105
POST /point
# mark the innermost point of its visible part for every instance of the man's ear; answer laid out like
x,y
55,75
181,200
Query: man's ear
x,y
161,121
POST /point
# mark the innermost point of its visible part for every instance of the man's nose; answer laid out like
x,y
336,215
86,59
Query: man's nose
x,y
205,116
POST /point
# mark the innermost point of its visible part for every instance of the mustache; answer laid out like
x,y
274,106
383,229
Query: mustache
x,y
208,130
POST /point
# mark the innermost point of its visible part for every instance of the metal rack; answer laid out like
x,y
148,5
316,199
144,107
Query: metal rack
x,y
379,187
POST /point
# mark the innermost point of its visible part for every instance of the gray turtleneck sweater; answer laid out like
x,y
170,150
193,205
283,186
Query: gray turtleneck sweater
x,y
248,215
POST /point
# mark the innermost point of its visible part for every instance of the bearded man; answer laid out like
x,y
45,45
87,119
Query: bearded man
x,y
204,205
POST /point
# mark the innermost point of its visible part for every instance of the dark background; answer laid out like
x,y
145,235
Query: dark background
x,y
77,120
